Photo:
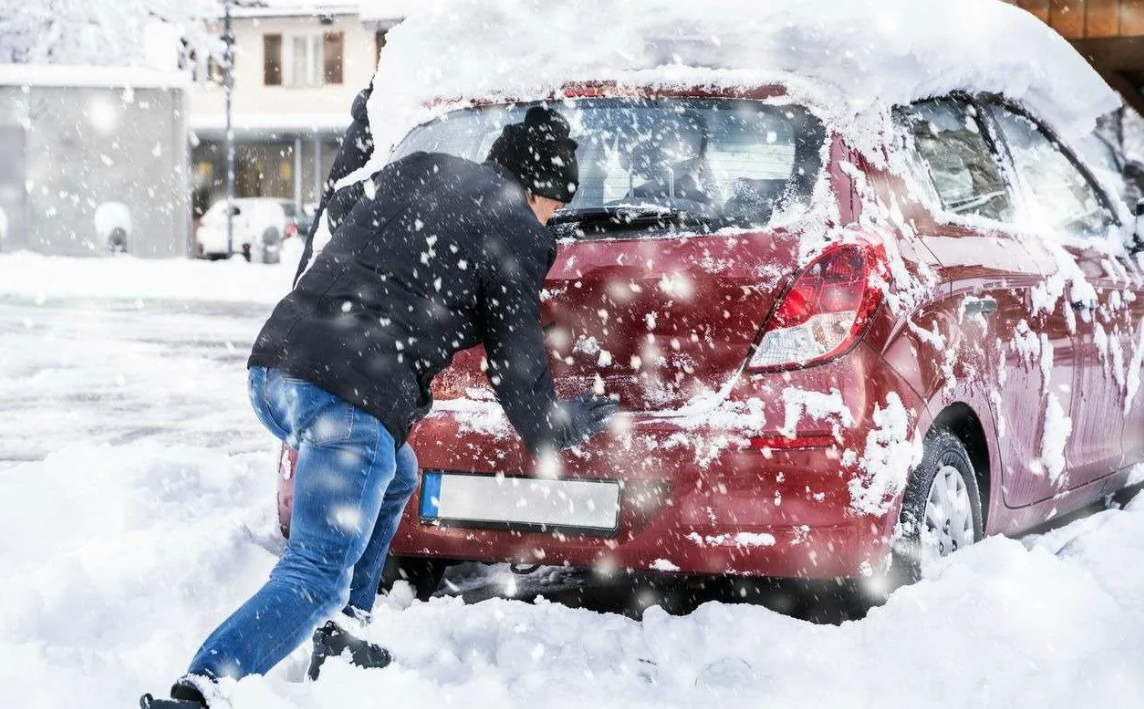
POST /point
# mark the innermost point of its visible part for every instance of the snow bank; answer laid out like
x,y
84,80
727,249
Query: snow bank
x,y
43,278
119,560
845,59
121,555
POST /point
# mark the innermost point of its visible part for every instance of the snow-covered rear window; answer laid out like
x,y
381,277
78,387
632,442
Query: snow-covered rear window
x,y
1061,198
948,143
720,162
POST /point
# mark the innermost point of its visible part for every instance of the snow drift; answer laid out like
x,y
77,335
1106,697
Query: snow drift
x,y
25,275
120,559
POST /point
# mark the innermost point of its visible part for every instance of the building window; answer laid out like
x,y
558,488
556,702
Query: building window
x,y
207,70
333,59
310,60
303,64
272,60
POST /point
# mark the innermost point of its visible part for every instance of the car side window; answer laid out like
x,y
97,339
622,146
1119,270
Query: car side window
x,y
946,138
1061,197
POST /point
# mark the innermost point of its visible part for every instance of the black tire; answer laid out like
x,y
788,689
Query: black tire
x,y
424,574
941,448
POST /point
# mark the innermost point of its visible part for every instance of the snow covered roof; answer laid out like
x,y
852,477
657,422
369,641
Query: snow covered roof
x,y
395,10
385,12
58,75
293,8
845,59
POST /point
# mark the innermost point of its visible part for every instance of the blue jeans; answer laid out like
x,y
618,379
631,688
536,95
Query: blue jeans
x,y
350,488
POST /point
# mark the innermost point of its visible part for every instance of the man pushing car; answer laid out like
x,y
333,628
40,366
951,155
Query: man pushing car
x,y
440,255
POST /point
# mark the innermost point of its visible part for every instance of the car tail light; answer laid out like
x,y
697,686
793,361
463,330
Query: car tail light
x,y
291,230
824,311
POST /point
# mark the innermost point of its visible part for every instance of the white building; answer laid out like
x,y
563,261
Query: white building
x,y
298,66
93,159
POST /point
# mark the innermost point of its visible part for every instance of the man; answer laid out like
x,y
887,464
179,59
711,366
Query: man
x,y
442,254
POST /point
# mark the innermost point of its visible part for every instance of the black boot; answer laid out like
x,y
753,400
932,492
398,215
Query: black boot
x,y
184,695
332,641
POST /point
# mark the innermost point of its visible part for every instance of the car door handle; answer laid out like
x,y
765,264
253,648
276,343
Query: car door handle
x,y
980,306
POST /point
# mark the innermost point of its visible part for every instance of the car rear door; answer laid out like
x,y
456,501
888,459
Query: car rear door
x,y
1074,232
992,350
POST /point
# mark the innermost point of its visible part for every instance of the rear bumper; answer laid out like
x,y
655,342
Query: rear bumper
x,y
700,496
739,520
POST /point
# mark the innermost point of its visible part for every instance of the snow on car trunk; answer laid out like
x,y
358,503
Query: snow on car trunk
x,y
658,321
661,322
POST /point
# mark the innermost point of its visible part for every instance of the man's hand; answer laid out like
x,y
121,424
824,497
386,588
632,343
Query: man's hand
x,y
584,417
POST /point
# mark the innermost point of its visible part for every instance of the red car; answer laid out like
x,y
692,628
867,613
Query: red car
x,y
833,362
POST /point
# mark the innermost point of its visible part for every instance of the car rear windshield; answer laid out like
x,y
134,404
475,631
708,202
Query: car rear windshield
x,y
661,163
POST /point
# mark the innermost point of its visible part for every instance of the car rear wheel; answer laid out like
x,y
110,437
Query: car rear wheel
x,y
941,510
423,574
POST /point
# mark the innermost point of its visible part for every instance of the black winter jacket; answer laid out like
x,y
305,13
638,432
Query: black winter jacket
x,y
446,255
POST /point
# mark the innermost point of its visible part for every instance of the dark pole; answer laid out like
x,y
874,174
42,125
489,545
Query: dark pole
x,y
228,68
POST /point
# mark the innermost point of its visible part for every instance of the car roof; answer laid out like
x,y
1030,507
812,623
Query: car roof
x,y
849,62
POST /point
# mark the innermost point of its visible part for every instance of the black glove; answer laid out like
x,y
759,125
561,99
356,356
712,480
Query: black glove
x,y
583,417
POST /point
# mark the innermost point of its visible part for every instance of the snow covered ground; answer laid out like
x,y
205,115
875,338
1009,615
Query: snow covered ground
x,y
137,510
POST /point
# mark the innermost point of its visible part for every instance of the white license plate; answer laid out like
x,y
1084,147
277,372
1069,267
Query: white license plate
x,y
469,500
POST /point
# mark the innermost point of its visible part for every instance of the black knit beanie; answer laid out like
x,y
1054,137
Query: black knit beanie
x,y
539,153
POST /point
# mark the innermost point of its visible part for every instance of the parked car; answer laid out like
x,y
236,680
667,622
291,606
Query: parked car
x,y
303,221
260,225
832,366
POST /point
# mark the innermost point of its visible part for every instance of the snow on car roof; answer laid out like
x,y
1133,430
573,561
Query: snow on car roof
x,y
845,59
